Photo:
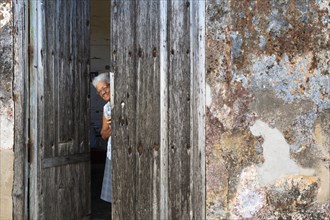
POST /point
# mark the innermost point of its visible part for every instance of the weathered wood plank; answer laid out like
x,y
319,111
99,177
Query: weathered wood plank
x,y
147,109
84,144
51,87
79,69
65,78
69,80
20,191
85,78
154,109
179,111
163,63
74,71
65,160
41,108
57,68
197,107
49,80
36,108
123,58
67,184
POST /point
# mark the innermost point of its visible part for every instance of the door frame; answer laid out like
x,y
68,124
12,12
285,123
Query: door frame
x,y
21,92
21,103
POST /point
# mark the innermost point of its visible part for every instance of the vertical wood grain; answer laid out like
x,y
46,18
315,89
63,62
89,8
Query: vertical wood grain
x,y
20,192
123,58
163,66
159,64
147,109
197,108
179,110
34,195
59,105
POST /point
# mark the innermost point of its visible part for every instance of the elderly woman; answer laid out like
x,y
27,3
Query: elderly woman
x,y
102,85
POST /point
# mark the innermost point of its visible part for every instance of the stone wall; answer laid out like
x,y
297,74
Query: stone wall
x,y
268,109
6,110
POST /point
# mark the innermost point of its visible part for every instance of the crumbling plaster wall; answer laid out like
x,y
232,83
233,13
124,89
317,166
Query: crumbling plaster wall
x,y
268,109
6,110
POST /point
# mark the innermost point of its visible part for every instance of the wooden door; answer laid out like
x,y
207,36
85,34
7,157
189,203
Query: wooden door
x,y
59,185
158,57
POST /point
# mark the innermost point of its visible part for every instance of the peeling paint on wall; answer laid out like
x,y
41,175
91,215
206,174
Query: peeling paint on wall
x,y
6,77
5,14
276,152
267,122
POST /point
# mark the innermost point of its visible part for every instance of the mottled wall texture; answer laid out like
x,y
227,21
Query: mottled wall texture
x,y
268,109
6,110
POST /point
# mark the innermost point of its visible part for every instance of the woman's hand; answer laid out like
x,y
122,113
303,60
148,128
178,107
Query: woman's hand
x,y
106,128
109,121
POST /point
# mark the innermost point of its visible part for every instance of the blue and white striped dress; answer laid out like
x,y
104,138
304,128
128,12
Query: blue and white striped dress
x,y
106,193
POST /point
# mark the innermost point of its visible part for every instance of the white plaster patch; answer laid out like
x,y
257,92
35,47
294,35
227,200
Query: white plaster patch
x,y
5,14
208,95
324,191
250,198
6,127
276,152
250,202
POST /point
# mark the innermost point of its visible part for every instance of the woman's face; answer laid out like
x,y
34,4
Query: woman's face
x,y
103,90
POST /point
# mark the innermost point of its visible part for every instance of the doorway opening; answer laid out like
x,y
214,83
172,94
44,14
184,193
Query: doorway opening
x,y
100,62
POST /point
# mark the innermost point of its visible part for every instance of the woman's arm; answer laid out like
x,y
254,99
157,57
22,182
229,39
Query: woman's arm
x,y
106,128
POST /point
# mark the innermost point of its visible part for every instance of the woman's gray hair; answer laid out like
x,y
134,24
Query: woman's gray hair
x,y
102,77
